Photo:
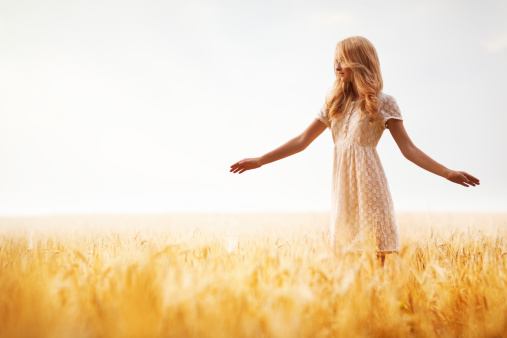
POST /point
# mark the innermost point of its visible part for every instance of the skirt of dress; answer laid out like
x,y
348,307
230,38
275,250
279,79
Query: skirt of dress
x,y
362,211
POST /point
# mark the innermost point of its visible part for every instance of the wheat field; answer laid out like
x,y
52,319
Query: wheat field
x,y
249,275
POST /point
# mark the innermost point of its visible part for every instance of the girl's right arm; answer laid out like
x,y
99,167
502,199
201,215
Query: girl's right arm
x,y
293,146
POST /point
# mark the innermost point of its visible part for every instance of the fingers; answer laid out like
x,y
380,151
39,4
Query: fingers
x,y
460,179
235,167
239,170
472,178
464,178
238,167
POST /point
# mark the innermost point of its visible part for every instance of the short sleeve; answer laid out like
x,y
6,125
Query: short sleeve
x,y
390,110
322,116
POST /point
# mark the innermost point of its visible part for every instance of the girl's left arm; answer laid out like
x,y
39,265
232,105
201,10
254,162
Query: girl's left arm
x,y
415,155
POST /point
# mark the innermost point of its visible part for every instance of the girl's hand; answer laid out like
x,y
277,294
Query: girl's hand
x,y
462,178
246,164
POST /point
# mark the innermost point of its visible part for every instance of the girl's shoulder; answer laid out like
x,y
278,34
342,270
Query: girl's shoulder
x,y
386,101
383,97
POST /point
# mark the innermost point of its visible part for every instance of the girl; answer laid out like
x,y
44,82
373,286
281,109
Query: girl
x,y
357,112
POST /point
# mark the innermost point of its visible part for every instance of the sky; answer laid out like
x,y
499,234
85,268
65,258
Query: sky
x,y
143,106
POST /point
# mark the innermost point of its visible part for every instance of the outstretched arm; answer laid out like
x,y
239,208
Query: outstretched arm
x,y
415,155
291,147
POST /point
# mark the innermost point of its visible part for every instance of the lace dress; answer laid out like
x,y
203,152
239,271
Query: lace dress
x,y
362,211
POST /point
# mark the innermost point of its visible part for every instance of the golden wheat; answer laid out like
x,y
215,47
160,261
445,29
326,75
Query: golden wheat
x,y
248,275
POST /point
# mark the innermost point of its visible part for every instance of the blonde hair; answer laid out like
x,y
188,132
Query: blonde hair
x,y
360,56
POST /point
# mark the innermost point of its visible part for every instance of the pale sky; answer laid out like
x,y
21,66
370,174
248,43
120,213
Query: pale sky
x,y
142,106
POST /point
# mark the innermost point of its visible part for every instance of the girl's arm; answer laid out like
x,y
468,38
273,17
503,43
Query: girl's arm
x,y
414,154
291,147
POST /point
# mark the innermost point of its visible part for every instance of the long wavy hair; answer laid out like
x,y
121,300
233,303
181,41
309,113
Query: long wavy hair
x,y
357,53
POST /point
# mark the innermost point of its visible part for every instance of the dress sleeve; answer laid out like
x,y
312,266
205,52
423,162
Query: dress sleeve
x,y
322,116
390,110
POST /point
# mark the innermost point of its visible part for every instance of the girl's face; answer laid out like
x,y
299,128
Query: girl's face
x,y
344,72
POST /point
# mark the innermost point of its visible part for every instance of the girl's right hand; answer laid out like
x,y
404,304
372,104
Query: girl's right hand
x,y
462,178
246,164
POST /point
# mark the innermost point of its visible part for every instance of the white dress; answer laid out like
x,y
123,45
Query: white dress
x,y
362,211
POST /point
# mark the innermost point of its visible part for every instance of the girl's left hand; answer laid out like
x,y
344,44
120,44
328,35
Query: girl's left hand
x,y
246,164
462,178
